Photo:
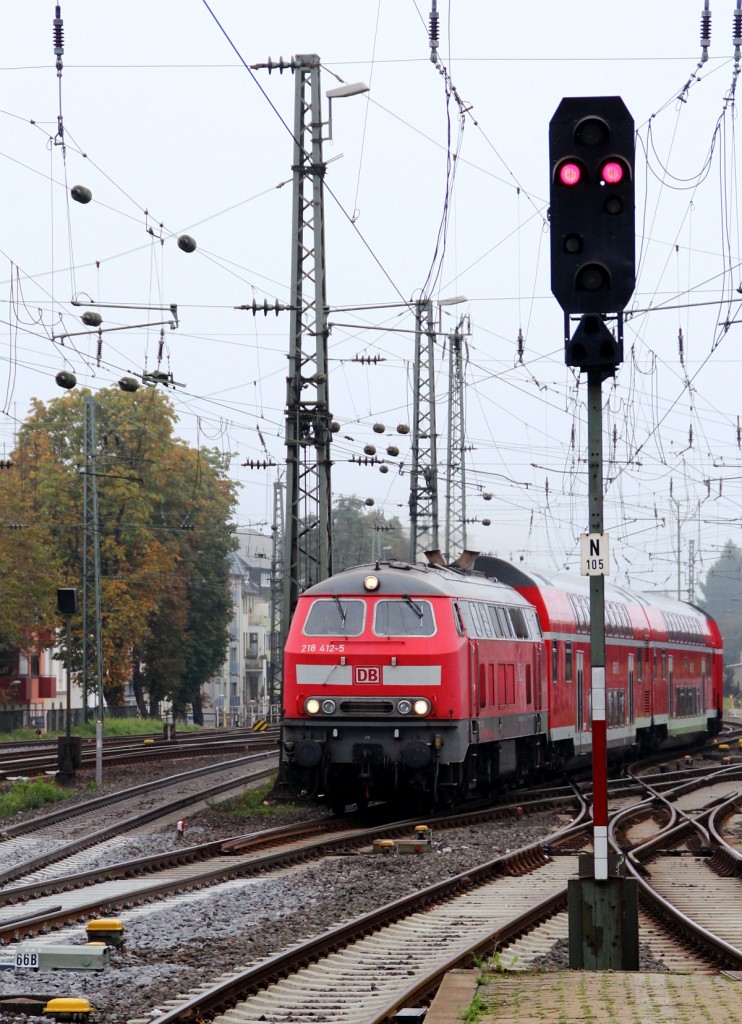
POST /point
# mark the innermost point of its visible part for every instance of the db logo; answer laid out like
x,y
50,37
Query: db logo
x,y
366,675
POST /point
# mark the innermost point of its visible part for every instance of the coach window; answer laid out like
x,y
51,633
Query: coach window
x,y
664,663
639,664
568,661
335,617
408,617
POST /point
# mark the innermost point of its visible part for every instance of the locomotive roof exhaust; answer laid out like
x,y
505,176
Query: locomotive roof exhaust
x,y
465,560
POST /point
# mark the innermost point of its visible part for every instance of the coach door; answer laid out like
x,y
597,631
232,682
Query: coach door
x,y
579,692
631,690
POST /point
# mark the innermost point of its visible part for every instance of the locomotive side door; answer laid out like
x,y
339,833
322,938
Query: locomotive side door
x,y
473,679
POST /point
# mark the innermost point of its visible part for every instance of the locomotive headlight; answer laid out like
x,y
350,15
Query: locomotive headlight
x,y
328,706
312,706
422,707
371,583
404,707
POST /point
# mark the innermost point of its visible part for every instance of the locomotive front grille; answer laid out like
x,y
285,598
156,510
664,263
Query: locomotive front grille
x,y
358,706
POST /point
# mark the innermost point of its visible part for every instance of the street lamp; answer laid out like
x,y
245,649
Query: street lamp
x,y
339,92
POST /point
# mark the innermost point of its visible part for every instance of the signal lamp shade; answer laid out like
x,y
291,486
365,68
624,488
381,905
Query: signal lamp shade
x,y
81,194
67,601
66,379
570,173
187,243
612,172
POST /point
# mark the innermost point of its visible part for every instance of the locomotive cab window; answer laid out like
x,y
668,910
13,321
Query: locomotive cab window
x,y
334,616
408,617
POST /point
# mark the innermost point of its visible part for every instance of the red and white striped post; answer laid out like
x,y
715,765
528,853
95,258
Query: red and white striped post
x,y
597,568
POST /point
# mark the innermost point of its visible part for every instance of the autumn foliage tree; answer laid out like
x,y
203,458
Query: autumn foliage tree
x,y
164,535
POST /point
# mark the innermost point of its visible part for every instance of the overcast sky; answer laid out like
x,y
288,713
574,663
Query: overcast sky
x,y
172,134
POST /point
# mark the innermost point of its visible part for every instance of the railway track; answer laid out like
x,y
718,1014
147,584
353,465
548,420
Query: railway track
x,y
505,912
366,970
164,798
38,759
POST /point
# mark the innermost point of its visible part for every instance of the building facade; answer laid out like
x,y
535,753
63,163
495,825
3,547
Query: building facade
x,y
239,693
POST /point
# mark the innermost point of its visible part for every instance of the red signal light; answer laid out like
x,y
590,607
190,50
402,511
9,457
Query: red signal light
x,y
570,173
612,172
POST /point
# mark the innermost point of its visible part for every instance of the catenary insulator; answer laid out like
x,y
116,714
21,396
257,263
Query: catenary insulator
x,y
705,32
58,32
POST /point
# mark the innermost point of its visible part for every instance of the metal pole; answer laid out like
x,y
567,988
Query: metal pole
x,y
68,730
597,630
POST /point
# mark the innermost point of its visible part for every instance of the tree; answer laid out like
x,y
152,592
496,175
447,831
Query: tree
x,y
360,534
722,598
28,567
164,515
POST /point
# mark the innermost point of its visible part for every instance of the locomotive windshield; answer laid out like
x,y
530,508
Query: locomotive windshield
x,y
334,617
407,617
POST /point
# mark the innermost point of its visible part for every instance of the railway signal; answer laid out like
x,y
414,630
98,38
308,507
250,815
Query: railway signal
x,y
591,154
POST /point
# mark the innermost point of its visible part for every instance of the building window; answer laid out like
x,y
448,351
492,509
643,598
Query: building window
x,y
253,645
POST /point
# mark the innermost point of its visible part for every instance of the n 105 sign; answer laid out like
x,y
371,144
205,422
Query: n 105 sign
x,y
594,560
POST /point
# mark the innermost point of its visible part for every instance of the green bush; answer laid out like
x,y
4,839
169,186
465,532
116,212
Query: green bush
x,y
25,795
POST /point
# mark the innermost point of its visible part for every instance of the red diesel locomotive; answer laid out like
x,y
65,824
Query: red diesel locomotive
x,y
434,682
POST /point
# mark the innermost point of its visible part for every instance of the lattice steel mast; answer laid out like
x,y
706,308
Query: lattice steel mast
x,y
424,472
455,461
308,545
